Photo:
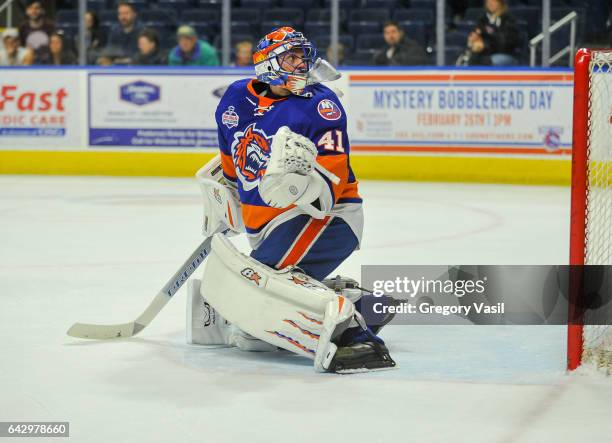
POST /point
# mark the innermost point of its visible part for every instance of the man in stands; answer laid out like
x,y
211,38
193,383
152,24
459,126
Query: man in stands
x,y
244,54
399,50
192,51
123,36
34,33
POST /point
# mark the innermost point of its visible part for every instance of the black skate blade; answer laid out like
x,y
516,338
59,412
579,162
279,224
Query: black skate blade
x,y
376,358
362,370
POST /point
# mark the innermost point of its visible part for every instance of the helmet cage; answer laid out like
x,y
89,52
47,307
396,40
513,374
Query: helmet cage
x,y
269,61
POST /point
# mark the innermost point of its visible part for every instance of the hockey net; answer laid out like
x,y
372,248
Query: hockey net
x,y
591,221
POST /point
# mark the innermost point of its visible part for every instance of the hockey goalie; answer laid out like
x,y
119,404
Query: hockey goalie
x,y
284,178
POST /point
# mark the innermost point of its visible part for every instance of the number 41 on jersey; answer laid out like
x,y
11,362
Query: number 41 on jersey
x,y
331,143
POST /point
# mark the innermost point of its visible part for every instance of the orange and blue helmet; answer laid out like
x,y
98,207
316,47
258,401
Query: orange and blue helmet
x,y
270,64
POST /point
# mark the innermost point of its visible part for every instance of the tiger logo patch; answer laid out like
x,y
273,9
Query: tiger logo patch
x,y
250,151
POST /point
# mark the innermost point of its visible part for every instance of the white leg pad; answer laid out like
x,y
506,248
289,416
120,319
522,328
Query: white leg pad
x,y
246,342
282,307
205,326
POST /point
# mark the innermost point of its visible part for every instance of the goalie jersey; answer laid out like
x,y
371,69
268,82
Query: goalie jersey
x,y
247,121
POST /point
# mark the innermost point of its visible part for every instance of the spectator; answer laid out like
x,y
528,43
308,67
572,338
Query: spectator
x,y
148,49
399,50
35,31
123,36
94,37
12,54
244,53
191,51
56,53
496,35
341,54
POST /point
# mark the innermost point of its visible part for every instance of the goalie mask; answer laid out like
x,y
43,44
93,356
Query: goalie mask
x,y
287,59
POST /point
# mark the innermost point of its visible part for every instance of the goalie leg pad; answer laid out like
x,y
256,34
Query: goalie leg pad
x,y
246,342
284,308
205,326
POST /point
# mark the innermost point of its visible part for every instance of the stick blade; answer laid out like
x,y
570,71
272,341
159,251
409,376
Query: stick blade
x,y
104,332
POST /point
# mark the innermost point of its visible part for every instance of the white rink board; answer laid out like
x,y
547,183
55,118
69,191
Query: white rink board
x,y
41,109
477,111
150,109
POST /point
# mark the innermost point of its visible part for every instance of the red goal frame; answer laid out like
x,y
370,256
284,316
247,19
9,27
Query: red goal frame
x,y
580,142
579,200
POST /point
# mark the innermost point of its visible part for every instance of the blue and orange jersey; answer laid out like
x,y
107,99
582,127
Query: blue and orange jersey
x,y
247,123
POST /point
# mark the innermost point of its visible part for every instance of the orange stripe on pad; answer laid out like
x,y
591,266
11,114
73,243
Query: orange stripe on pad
x,y
302,330
304,241
310,319
229,212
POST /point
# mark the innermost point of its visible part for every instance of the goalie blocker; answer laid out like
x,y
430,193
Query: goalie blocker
x,y
289,310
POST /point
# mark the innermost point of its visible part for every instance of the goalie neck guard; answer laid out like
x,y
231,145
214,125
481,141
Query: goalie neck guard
x,y
287,59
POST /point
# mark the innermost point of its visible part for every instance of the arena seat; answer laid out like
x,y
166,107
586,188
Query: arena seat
x,y
423,15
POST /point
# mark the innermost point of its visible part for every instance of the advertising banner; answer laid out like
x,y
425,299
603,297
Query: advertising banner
x,y
511,112
40,109
462,111
155,109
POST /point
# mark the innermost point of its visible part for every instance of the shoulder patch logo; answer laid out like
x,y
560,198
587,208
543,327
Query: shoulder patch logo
x,y
329,110
230,118
250,151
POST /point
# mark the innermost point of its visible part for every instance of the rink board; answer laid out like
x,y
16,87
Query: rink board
x,y
479,125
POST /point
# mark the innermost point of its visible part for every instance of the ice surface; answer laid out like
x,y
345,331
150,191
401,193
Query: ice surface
x,y
98,249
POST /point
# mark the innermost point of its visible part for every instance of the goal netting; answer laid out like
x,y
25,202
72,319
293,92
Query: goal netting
x,y
591,225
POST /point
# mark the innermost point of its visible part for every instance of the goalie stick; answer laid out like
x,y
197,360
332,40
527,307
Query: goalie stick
x,y
102,332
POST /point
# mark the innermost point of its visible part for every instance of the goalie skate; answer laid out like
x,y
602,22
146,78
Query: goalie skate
x,y
361,357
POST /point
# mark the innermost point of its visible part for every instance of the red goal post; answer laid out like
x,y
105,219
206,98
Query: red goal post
x,y
591,201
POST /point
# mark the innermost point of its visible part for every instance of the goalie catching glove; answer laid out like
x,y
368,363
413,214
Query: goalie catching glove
x,y
293,176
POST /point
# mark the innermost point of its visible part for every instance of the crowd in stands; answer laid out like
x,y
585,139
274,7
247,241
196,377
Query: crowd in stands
x,y
373,32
